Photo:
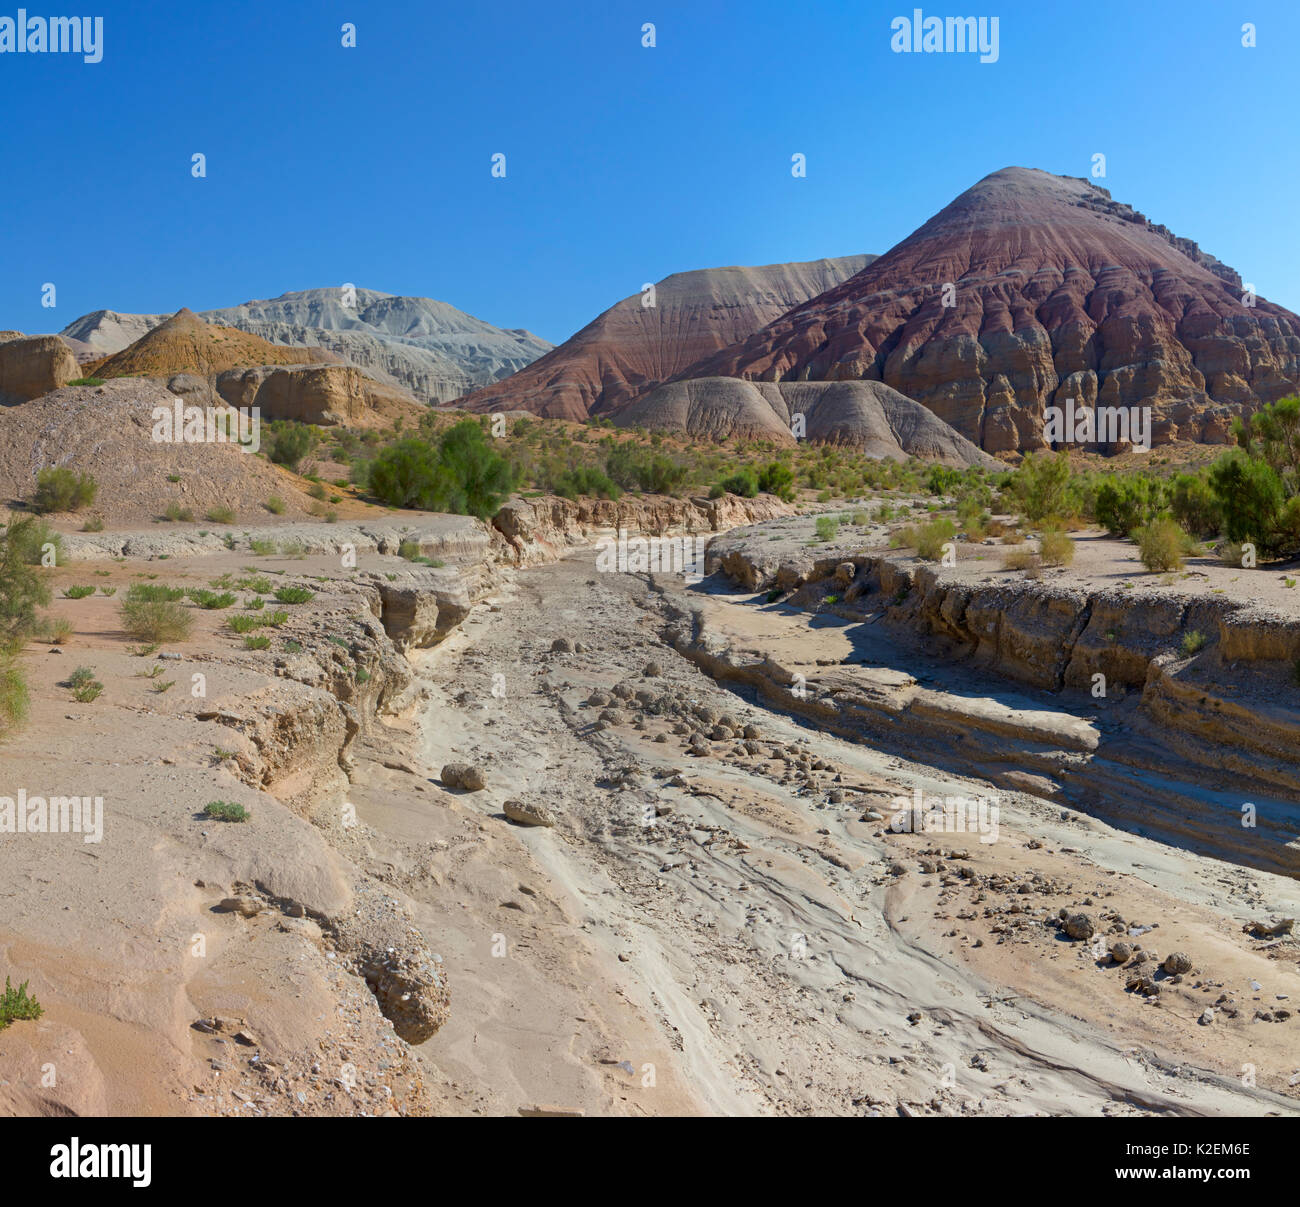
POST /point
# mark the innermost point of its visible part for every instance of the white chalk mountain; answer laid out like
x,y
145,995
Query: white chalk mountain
x,y
434,350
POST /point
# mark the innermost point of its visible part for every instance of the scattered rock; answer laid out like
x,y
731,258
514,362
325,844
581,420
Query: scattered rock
x,y
527,814
463,775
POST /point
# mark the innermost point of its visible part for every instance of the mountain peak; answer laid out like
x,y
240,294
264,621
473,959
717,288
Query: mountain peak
x,y
1029,289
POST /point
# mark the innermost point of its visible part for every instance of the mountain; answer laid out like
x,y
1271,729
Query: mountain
x,y
1059,292
632,347
431,348
864,415
184,343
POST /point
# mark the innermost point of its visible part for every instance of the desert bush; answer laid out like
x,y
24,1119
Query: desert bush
x,y
220,515
155,620
16,1005
154,592
212,600
1025,560
1250,495
94,523
585,480
276,619
828,528
462,474
259,642
1160,545
294,595
22,592
54,629
80,591
1055,548
86,692
287,443
1041,484
1272,435
244,624
778,479
1195,505
62,489
1123,504
261,547
275,505
929,539
226,810
1193,642
743,483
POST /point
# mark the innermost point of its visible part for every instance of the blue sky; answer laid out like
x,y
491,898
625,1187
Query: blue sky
x,y
372,165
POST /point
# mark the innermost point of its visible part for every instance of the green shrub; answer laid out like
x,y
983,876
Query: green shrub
x,y
94,523
78,592
155,620
257,643
244,624
276,619
220,515
1249,494
1193,642
154,593
929,539
294,595
62,489
743,483
17,1006
226,810
287,443
86,381
1123,504
318,491
87,692
462,474
828,528
34,542
174,512
211,600
585,480
1041,486
1195,505
275,505
80,676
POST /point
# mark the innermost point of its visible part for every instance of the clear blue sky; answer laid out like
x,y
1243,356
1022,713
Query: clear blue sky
x,y
372,165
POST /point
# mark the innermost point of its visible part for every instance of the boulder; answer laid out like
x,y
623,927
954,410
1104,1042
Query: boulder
x,y
528,814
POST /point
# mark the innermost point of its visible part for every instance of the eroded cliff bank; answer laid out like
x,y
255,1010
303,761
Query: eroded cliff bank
x,y
1172,711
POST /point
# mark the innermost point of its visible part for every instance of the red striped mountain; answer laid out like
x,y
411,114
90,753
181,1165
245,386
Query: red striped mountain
x,y
633,347
1056,291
